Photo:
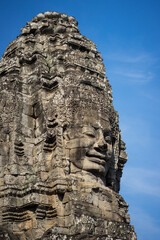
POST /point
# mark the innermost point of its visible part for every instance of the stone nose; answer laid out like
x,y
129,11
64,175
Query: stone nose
x,y
101,143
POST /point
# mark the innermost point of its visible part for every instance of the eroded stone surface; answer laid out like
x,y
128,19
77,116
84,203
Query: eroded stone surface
x,y
62,155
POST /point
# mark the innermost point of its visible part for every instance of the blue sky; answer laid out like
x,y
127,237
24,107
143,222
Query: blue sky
x,y
127,35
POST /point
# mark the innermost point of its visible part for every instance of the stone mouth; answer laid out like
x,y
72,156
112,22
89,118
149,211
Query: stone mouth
x,y
97,160
97,154
97,157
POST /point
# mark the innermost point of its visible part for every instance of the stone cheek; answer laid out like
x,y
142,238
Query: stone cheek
x,y
61,152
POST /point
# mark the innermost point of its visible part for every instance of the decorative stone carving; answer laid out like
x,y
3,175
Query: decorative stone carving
x,y
62,155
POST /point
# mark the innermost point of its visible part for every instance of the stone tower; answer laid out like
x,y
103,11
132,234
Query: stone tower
x,y
61,152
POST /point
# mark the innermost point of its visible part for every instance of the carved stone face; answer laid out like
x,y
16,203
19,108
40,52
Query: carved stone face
x,y
89,147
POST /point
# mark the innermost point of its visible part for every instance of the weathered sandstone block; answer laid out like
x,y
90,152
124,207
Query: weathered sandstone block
x,y
61,151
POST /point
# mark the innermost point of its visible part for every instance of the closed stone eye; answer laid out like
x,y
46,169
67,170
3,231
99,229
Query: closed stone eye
x,y
89,131
90,134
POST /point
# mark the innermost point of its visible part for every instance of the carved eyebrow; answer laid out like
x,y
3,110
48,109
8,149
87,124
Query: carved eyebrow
x,y
87,128
95,126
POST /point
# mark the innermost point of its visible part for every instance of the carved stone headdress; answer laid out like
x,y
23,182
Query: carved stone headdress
x,y
51,78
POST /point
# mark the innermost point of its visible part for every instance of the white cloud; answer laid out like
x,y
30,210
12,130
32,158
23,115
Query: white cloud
x,y
135,76
124,57
145,225
153,96
131,67
136,131
142,181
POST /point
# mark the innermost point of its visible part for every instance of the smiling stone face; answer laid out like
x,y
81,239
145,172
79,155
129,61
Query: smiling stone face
x,y
89,146
61,151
